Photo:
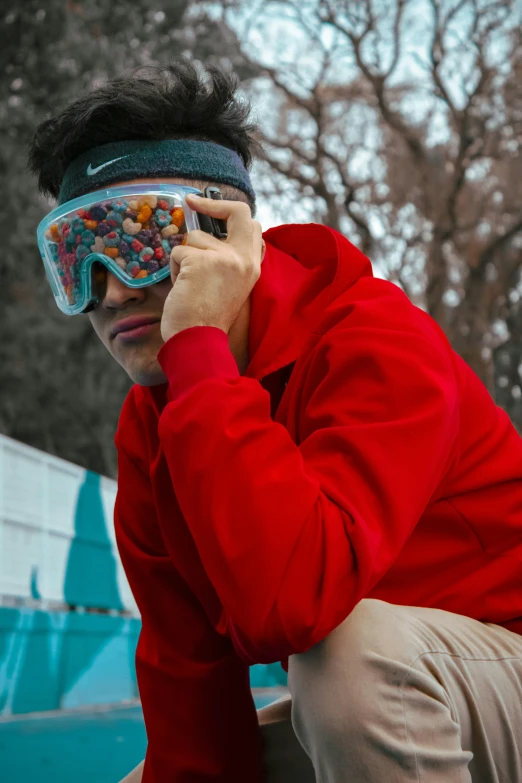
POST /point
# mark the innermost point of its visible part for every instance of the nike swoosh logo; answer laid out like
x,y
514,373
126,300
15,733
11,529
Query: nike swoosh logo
x,y
91,171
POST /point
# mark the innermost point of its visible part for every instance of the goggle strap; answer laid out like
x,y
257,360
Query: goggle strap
x,y
211,225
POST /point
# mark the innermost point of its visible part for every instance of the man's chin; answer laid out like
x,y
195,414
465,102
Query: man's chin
x,y
146,380
147,376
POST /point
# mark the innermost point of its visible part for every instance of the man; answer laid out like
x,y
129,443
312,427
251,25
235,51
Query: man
x,y
307,472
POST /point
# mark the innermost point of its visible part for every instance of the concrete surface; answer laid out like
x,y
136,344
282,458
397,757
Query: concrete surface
x,y
96,745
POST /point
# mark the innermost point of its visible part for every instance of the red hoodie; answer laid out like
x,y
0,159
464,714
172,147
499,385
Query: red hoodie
x,y
252,518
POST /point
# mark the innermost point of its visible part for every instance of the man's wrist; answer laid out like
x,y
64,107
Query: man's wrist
x,y
194,355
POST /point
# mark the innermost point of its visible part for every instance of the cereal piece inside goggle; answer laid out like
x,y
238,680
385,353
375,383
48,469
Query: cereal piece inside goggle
x,y
138,234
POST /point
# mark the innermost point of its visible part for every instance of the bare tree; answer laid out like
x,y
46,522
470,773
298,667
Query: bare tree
x,y
60,390
399,123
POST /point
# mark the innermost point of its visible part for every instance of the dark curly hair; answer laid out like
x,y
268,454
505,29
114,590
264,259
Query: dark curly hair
x,y
178,101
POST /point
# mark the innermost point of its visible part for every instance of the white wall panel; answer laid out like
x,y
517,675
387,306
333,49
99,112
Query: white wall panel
x,y
44,518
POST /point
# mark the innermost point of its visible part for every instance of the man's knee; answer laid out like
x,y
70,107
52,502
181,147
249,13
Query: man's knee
x,y
372,627
338,681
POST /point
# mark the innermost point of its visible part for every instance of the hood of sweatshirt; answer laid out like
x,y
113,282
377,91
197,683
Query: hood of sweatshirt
x,y
305,269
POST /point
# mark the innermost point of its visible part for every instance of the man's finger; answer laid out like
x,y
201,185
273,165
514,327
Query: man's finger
x,y
203,241
259,242
218,208
237,215
182,253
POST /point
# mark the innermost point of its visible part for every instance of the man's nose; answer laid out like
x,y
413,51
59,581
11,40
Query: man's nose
x,y
113,292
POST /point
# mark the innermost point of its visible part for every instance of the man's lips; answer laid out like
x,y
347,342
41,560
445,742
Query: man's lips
x,y
133,323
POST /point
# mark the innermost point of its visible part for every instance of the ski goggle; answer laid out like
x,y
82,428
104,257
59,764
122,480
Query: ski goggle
x,y
129,231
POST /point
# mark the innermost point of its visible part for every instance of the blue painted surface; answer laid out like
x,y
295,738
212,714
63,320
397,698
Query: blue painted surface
x,y
52,660
90,578
49,659
99,747
270,675
94,747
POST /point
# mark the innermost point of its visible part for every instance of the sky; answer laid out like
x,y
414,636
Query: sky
x,y
273,37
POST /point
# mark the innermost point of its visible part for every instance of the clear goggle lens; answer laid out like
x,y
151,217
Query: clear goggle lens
x,y
130,233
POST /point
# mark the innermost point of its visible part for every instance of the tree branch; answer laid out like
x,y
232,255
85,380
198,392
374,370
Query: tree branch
x,y
489,252
377,83
401,4
437,53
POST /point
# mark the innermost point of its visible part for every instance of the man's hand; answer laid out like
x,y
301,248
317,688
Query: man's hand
x,y
212,278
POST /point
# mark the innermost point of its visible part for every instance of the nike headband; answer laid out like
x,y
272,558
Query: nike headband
x,y
124,160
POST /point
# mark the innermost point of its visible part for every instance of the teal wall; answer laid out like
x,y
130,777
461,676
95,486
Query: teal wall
x,y
90,576
269,675
59,659
55,660
52,660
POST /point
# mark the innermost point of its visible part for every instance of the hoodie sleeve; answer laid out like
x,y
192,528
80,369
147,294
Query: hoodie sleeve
x,y
294,536
199,713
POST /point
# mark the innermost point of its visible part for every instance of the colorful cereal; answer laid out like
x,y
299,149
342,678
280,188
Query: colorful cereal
x,y
138,234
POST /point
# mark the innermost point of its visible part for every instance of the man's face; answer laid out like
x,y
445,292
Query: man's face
x,y
137,356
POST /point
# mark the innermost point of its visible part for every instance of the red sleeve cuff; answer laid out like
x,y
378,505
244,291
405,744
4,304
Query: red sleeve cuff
x,y
194,355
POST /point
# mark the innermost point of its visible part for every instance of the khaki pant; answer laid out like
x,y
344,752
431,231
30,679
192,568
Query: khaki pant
x,y
400,693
